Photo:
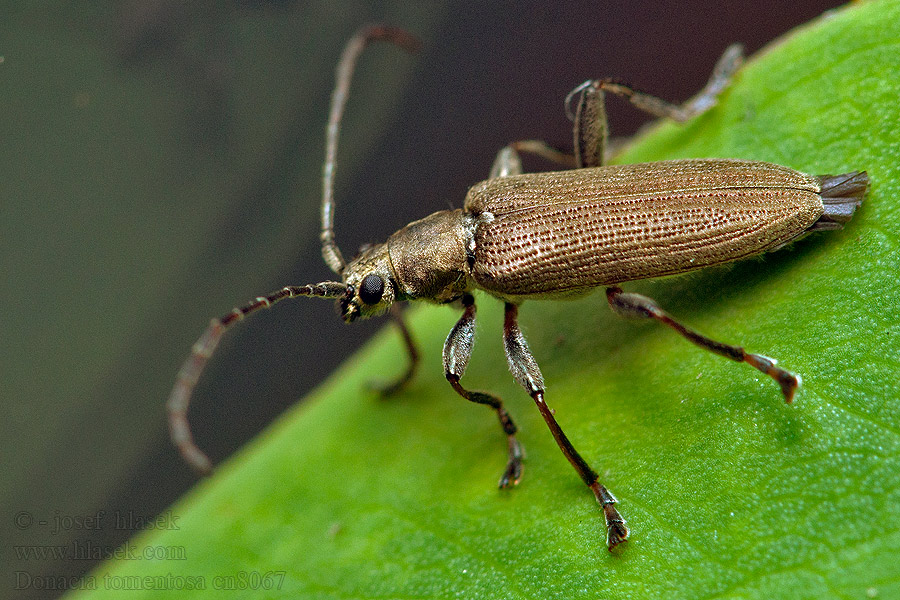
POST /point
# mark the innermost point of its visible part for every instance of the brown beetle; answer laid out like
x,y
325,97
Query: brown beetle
x,y
558,235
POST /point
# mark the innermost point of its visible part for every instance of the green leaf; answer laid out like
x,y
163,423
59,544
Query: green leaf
x,y
728,491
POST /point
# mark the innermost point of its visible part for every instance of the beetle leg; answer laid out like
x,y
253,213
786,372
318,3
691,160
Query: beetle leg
x,y
590,130
527,373
722,74
635,305
411,350
457,350
507,163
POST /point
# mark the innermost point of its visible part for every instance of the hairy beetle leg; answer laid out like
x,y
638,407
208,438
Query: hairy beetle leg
x,y
591,131
512,474
616,530
457,350
636,305
508,161
526,371
389,389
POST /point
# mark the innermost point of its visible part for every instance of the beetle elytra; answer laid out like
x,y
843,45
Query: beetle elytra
x,y
557,235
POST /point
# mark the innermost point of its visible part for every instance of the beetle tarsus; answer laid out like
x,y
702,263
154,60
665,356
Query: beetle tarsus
x,y
787,381
513,472
616,529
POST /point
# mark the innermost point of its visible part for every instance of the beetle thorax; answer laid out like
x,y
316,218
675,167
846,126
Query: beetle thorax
x,y
431,257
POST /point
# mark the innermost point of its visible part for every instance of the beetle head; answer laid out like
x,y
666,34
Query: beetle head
x,y
370,285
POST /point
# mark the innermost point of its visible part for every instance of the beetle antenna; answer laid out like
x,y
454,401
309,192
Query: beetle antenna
x,y
179,399
349,58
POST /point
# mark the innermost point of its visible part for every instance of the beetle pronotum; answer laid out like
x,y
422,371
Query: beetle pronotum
x,y
557,235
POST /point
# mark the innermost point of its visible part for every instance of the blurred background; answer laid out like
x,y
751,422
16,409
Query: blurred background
x,y
160,163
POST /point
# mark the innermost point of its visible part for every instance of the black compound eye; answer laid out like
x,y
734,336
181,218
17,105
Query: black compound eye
x,y
371,289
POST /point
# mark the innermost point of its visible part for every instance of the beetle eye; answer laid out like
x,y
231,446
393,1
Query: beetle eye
x,y
371,289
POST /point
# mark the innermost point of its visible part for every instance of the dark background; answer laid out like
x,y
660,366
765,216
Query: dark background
x,y
161,164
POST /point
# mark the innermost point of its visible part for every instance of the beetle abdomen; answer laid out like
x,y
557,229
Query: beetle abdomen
x,y
557,233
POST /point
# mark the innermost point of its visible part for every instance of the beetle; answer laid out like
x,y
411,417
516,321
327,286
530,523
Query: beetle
x,y
556,235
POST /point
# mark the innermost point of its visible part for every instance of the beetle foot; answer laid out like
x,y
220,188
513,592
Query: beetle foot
x,y
787,381
385,389
616,530
513,472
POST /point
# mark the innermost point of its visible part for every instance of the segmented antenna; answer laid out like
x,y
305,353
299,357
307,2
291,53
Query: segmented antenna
x,y
180,398
347,64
